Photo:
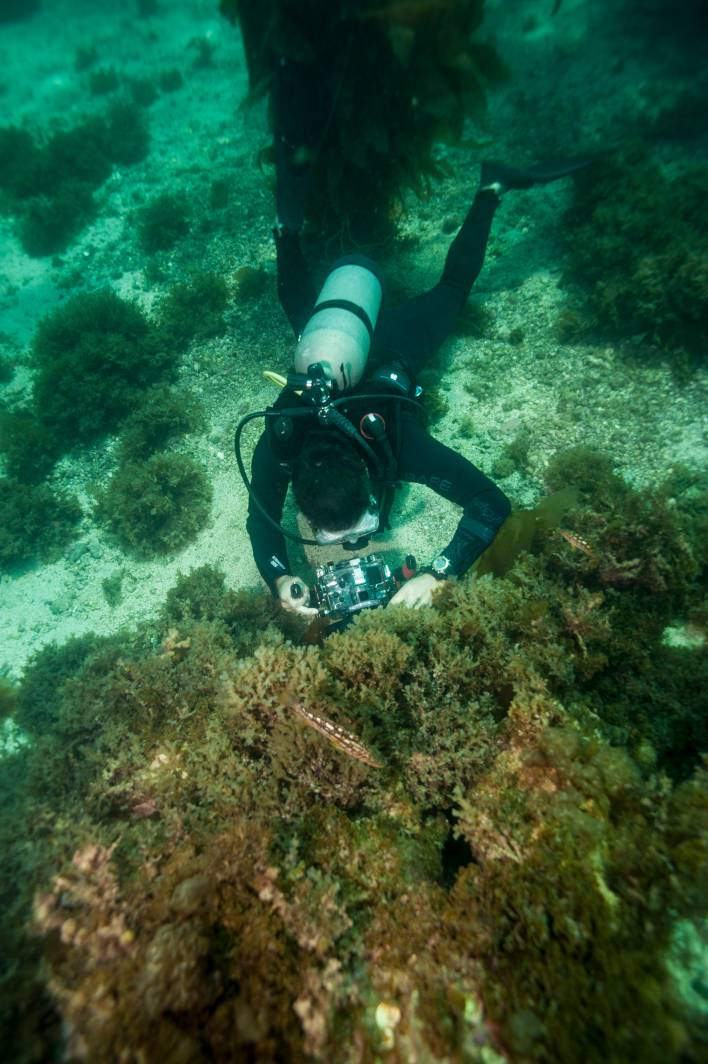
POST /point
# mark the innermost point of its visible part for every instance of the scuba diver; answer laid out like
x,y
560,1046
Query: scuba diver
x,y
346,428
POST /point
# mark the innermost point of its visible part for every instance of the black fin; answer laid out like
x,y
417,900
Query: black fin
x,y
513,177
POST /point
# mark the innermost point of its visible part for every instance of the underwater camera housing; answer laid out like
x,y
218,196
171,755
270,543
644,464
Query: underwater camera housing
x,y
343,588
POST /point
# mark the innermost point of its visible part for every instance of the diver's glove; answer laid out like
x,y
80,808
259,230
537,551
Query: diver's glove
x,y
293,595
416,592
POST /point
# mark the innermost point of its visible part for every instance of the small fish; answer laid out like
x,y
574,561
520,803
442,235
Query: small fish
x,y
340,738
576,541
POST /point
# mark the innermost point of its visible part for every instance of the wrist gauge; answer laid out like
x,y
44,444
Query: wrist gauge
x,y
440,567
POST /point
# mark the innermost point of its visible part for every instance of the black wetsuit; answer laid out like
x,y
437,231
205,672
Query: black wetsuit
x,y
409,334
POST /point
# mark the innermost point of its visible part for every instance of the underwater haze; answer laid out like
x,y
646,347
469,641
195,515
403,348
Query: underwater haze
x,y
471,833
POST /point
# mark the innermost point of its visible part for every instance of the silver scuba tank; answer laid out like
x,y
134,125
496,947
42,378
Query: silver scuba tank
x,y
339,331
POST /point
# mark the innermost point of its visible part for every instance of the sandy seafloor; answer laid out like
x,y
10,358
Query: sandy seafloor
x,y
581,71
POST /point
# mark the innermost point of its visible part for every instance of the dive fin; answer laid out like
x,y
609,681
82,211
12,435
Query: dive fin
x,y
495,173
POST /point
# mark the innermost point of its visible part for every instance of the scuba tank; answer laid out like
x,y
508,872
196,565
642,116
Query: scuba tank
x,y
339,332
331,356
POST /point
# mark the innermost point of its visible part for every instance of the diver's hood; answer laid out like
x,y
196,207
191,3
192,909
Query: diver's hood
x,y
366,526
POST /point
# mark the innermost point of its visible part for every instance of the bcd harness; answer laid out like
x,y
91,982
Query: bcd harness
x,y
370,436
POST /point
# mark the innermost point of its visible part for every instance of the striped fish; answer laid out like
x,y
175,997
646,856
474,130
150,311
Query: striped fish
x,y
576,541
338,737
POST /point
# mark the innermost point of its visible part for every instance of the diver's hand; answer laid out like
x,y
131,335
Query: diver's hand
x,y
294,603
416,592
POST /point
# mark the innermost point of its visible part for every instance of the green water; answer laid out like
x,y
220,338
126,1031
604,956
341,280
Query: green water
x,y
189,871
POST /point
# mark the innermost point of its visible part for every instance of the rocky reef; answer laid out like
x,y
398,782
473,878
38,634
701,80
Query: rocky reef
x,y
191,872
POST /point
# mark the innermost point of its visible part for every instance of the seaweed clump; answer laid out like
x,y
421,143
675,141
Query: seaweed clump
x,y
103,81
99,361
637,241
506,886
157,506
48,182
95,355
7,370
162,222
8,699
193,310
375,86
240,617
163,416
639,566
28,447
35,522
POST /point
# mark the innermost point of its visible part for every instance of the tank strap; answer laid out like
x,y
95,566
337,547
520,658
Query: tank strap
x,y
353,308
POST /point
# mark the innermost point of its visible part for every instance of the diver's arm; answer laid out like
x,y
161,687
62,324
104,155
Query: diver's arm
x,y
269,483
424,460
479,524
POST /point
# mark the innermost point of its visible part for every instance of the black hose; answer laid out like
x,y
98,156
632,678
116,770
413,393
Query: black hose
x,y
249,487
338,421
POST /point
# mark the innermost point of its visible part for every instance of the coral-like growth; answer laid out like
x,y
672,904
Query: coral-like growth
x,y
637,241
155,507
212,876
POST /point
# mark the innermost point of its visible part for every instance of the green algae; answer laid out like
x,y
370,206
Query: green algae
x,y
157,506
637,240
509,881
36,523
95,357
47,182
162,222
163,416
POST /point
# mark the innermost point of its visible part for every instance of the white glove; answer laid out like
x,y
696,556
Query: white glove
x,y
294,603
416,592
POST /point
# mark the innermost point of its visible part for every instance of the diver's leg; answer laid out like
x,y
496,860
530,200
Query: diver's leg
x,y
296,289
304,98
298,124
414,331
